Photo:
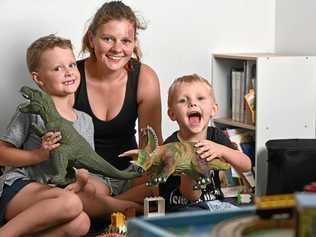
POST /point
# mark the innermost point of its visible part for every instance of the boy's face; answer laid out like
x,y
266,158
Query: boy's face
x,y
192,107
57,73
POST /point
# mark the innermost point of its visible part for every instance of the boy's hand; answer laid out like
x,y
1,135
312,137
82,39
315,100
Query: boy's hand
x,y
50,140
209,150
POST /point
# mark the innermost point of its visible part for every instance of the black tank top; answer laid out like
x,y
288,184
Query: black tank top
x,y
117,135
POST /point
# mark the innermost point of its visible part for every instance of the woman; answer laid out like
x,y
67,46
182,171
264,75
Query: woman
x,y
116,88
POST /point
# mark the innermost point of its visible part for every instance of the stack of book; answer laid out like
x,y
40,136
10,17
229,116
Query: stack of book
x,y
243,93
244,141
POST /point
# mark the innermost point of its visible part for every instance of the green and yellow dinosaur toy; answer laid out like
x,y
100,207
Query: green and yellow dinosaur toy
x,y
74,149
173,159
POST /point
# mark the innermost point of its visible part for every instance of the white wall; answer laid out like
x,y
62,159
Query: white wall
x,y
179,39
295,31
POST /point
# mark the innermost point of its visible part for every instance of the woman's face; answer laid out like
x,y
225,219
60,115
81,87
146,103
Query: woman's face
x,y
114,43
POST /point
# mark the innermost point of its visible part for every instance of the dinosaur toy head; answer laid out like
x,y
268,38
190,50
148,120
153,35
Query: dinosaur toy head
x,y
39,103
141,157
143,160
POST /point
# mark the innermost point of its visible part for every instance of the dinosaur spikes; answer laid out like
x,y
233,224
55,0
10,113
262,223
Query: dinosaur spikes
x,y
152,139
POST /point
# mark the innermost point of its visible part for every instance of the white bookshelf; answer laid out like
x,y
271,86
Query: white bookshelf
x,y
285,100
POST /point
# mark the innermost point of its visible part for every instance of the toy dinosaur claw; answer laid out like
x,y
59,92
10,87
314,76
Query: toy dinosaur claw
x,y
159,179
199,187
150,184
201,183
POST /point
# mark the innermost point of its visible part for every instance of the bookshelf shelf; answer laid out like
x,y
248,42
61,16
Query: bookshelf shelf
x,y
230,122
285,99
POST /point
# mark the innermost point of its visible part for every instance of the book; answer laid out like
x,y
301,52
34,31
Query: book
x,y
248,86
239,135
244,141
249,179
250,99
236,81
242,83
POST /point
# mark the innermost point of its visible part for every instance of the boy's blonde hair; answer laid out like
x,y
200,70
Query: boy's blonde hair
x,y
188,79
39,46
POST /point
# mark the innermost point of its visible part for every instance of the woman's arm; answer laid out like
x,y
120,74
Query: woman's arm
x,y
149,102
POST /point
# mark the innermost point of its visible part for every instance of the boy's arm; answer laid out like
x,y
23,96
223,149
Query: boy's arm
x,y
239,160
209,150
12,156
186,188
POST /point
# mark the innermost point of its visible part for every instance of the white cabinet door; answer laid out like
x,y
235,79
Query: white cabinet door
x,y
286,103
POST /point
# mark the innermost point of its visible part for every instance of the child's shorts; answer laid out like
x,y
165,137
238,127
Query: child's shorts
x,y
8,193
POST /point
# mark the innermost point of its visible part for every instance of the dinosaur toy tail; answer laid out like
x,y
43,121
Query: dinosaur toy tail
x,y
104,168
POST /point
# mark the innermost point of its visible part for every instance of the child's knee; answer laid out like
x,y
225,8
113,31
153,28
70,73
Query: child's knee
x,y
79,226
70,204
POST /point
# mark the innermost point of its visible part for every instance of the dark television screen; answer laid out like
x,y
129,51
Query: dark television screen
x,y
291,165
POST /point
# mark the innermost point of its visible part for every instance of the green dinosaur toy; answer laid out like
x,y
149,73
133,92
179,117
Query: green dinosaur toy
x,y
74,149
173,159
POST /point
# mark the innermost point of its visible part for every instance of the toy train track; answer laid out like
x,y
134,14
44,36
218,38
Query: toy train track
x,y
254,226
